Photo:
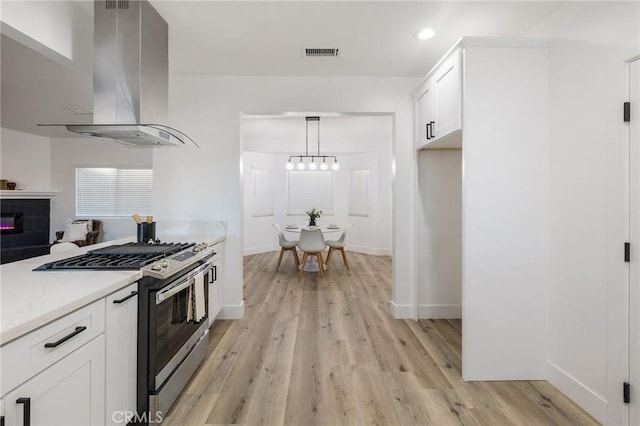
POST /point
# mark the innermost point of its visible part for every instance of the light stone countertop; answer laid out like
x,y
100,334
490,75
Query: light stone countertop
x,y
30,299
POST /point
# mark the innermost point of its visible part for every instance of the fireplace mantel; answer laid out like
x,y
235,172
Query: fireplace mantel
x,y
27,195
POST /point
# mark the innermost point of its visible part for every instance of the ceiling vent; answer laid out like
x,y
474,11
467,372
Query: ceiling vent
x,y
320,52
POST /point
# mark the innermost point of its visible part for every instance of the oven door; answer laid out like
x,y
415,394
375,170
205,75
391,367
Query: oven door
x,y
180,317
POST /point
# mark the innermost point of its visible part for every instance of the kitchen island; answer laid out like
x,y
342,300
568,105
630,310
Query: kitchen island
x,y
30,299
70,339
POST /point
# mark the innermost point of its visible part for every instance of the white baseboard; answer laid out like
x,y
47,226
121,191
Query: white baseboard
x,y
232,311
586,398
440,311
263,249
402,311
369,250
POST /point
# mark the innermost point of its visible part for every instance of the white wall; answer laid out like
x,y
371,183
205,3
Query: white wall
x,y
67,154
505,213
586,200
439,218
207,183
24,159
371,235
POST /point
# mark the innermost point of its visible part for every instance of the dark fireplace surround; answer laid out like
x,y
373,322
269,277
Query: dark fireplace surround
x,y
24,228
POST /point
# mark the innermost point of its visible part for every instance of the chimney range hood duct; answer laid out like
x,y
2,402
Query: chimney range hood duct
x,y
130,76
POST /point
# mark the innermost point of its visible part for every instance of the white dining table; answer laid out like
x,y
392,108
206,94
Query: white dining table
x,y
312,264
326,229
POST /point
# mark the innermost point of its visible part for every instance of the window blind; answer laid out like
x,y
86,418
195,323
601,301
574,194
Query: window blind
x,y
107,192
262,203
308,189
359,193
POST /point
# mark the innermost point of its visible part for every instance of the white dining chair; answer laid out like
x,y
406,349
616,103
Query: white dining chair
x,y
339,245
286,245
60,247
311,243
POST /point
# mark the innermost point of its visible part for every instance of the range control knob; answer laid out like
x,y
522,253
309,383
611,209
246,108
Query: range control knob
x,y
165,263
156,267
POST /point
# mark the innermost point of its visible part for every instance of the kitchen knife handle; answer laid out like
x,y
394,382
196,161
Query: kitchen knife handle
x,y
77,331
26,410
124,299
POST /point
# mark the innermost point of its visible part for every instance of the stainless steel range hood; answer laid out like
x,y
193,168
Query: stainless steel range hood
x,y
130,76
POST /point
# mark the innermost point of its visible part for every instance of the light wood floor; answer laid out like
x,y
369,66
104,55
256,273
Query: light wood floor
x,y
315,351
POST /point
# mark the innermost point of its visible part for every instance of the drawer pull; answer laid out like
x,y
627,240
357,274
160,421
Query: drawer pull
x,y
26,410
133,293
65,338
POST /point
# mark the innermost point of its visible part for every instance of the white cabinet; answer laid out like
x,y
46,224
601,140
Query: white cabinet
x,y
438,103
70,392
424,114
121,353
215,284
447,97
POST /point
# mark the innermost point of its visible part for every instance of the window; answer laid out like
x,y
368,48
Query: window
x,y
105,192
308,189
262,203
359,193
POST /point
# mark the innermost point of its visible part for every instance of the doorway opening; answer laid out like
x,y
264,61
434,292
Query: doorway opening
x,y
359,192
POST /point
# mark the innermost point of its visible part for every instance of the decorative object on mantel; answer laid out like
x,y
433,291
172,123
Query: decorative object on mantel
x,y
7,185
313,215
312,165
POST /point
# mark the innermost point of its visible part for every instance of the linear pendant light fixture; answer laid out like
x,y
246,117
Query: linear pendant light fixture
x,y
313,165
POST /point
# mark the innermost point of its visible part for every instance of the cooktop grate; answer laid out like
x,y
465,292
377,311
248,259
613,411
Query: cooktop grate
x,y
131,256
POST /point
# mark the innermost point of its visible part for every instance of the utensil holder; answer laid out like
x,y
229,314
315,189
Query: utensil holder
x,y
146,232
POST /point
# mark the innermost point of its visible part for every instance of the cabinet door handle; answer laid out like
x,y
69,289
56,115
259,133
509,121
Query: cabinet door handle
x,y
124,299
26,410
428,126
213,276
431,124
77,331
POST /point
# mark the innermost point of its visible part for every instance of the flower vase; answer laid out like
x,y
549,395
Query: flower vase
x,y
312,221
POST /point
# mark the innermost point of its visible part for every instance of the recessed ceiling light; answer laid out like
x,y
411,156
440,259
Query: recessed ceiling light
x,y
424,34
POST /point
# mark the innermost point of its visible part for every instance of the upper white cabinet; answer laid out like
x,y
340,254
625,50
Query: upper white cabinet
x,y
424,114
447,97
438,102
121,352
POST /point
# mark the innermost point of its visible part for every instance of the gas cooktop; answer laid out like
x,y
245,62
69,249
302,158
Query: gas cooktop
x,y
131,256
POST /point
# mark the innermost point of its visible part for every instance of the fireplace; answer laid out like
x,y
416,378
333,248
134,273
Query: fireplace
x,y
24,228
11,223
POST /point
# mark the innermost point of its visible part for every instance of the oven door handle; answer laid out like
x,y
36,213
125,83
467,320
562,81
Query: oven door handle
x,y
181,285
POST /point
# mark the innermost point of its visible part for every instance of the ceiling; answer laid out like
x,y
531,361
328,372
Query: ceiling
x,y
259,38
374,38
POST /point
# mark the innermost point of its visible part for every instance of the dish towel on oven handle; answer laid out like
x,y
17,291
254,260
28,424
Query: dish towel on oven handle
x,y
197,308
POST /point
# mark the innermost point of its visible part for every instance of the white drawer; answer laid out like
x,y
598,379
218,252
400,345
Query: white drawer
x,y
25,357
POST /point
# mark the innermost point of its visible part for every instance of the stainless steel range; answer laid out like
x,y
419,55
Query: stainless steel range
x,y
172,313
